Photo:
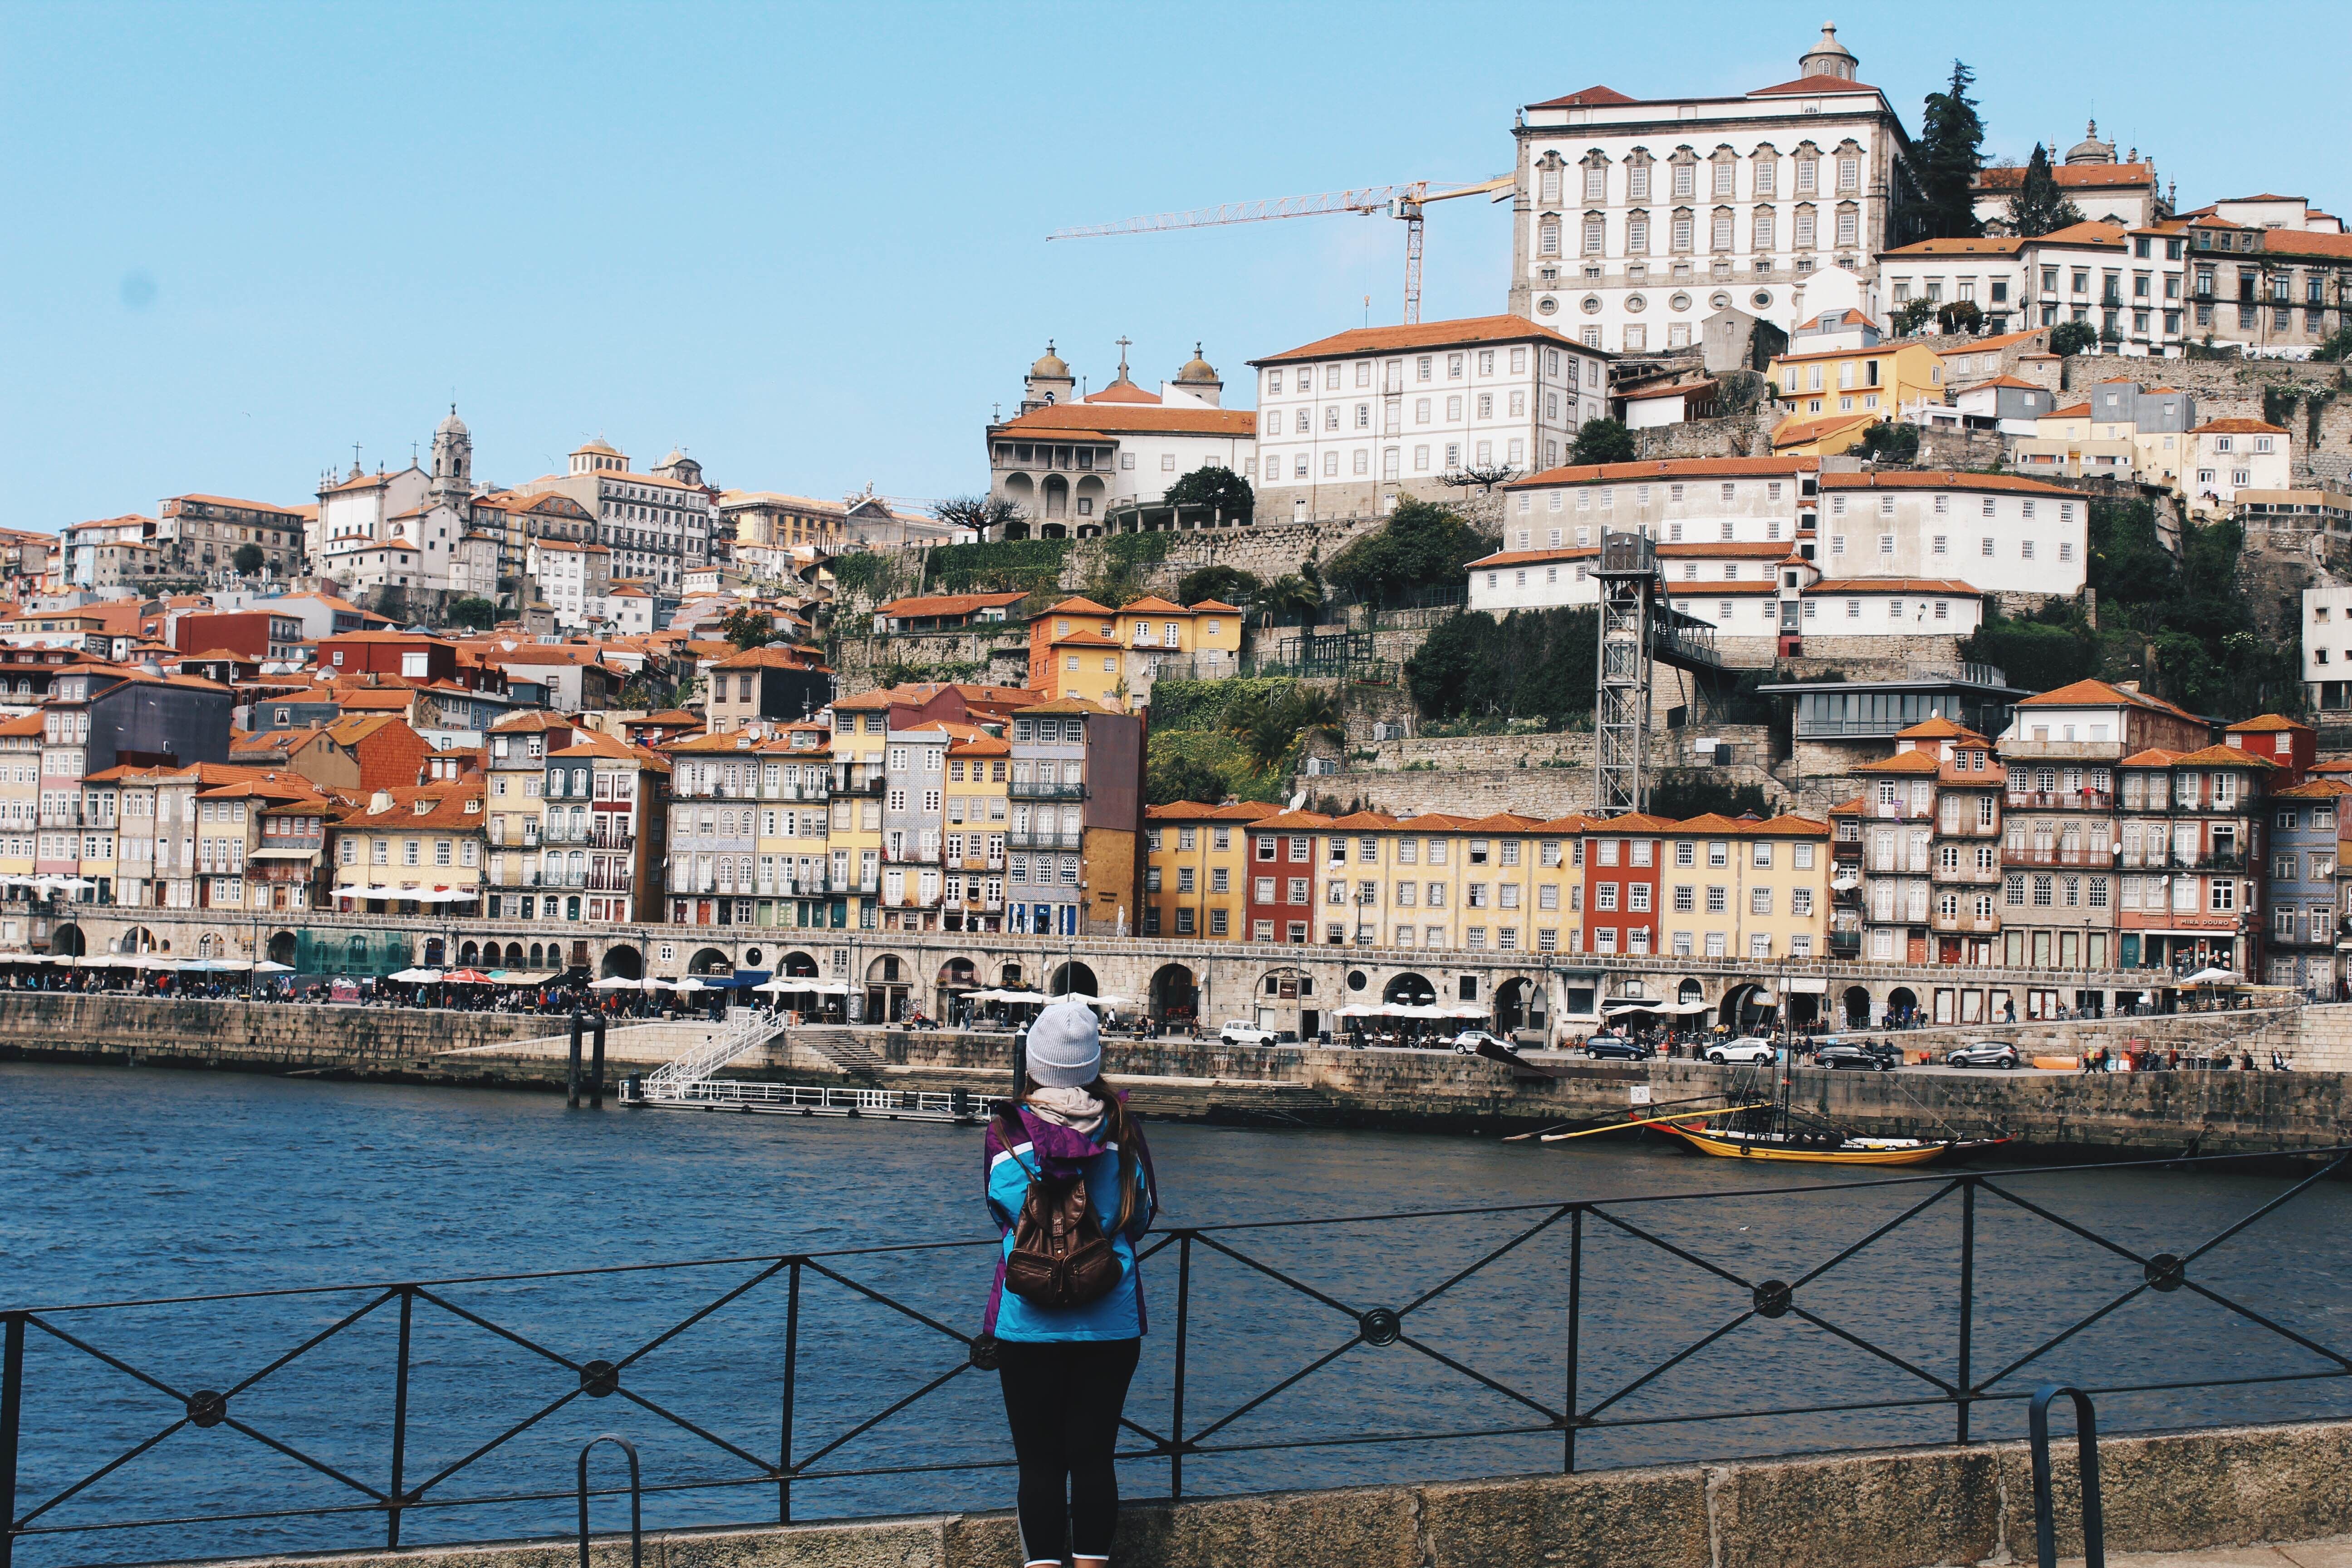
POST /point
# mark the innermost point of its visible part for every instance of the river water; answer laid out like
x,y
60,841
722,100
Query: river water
x,y
127,1186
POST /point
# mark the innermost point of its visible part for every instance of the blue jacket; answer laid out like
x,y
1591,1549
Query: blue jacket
x,y
1060,1152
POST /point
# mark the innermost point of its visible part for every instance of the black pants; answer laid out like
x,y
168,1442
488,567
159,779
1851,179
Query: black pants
x,y
1062,1398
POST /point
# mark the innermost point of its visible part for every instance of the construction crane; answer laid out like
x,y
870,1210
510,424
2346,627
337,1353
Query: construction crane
x,y
1401,201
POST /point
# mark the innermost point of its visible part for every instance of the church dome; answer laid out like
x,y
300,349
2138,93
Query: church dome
x,y
1827,57
1049,365
452,425
1197,370
599,446
674,460
2091,150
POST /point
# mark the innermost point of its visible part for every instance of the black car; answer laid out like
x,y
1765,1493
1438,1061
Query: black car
x,y
1870,1057
1617,1048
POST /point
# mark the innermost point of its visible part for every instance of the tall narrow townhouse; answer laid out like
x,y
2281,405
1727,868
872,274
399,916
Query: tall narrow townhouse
x,y
605,864
710,875
1196,881
1621,888
1558,918
20,794
2302,891
135,845
2191,862
515,780
974,859
263,837
861,727
914,808
1357,852
2061,756
1076,801
1281,899
795,843
1932,858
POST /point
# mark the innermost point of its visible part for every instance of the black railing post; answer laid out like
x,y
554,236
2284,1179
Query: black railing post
x,y
596,1069
572,1073
1183,1322
12,1407
2086,1466
1967,1303
1575,1326
399,1423
791,1375
637,1499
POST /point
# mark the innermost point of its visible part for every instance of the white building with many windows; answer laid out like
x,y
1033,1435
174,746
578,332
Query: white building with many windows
x,y
2226,455
1637,218
1348,424
1765,546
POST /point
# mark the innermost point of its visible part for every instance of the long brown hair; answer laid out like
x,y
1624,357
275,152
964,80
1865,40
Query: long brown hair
x,y
1117,1127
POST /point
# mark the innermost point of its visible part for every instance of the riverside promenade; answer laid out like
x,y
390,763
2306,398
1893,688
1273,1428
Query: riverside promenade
x,y
2050,1115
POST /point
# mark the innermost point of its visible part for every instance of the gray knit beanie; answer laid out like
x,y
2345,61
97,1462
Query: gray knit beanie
x,y
1066,1047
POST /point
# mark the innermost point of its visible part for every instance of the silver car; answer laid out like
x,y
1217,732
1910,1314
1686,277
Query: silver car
x,y
1982,1054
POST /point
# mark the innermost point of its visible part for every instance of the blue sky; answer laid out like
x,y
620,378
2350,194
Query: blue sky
x,y
806,242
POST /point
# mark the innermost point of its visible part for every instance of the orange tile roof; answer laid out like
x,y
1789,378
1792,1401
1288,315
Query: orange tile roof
x,y
1940,479
1291,819
1941,729
1423,335
2313,789
2263,723
2091,693
2000,340
1103,421
2238,427
948,604
2224,757
2078,176
1813,84
2301,242
2073,411
1591,96
1155,604
1890,585
232,500
1077,607
1668,468
1795,431
1989,245
1913,761
2154,757
1217,605
2005,381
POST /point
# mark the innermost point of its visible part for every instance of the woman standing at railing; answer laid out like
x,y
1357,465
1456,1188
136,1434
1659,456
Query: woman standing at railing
x,y
1067,1319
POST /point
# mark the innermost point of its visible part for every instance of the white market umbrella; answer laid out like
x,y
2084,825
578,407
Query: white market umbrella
x,y
272,966
689,983
2214,978
415,976
613,982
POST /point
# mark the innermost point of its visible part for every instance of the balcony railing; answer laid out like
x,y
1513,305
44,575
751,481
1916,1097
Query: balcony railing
x,y
1044,840
2062,800
1966,923
1036,789
2011,854
913,856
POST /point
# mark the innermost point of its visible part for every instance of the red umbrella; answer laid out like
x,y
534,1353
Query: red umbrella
x,y
466,977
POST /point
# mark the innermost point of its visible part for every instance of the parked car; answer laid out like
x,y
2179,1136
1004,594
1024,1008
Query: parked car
x,y
1616,1047
1982,1054
1746,1048
1871,1057
1239,1032
1469,1040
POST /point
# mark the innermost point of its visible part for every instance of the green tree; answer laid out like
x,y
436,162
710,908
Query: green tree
x,y
1602,441
1684,793
2074,338
2039,207
248,559
474,611
1946,159
2338,345
1912,316
1422,545
1229,584
1889,442
748,627
1219,489
1542,665
1171,776
1291,597
1961,316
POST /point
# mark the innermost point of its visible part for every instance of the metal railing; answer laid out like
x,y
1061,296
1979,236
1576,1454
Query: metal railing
x,y
1622,1330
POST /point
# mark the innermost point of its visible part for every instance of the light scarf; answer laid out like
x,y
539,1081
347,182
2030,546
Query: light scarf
x,y
1068,1107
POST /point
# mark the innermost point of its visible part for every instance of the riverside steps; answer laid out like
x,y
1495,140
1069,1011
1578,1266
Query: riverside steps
x,y
2050,1115
2219,1498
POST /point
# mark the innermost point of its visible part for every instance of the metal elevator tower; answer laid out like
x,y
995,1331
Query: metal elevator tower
x,y
1628,582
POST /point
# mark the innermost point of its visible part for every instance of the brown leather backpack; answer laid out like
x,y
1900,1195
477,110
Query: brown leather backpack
x,y
1060,1255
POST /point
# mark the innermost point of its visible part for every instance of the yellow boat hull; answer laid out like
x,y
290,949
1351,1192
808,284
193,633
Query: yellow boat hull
x,y
1855,1152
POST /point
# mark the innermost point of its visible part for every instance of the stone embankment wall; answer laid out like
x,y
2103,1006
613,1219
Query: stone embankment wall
x,y
276,1037
2220,1488
1733,435
1544,775
993,656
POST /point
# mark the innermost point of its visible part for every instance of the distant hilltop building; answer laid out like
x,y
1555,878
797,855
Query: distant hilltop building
x,y
1638,218
1065,459
2123,193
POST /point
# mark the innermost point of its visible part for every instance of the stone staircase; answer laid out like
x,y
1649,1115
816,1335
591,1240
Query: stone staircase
x,y
2322,1041
845,1048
